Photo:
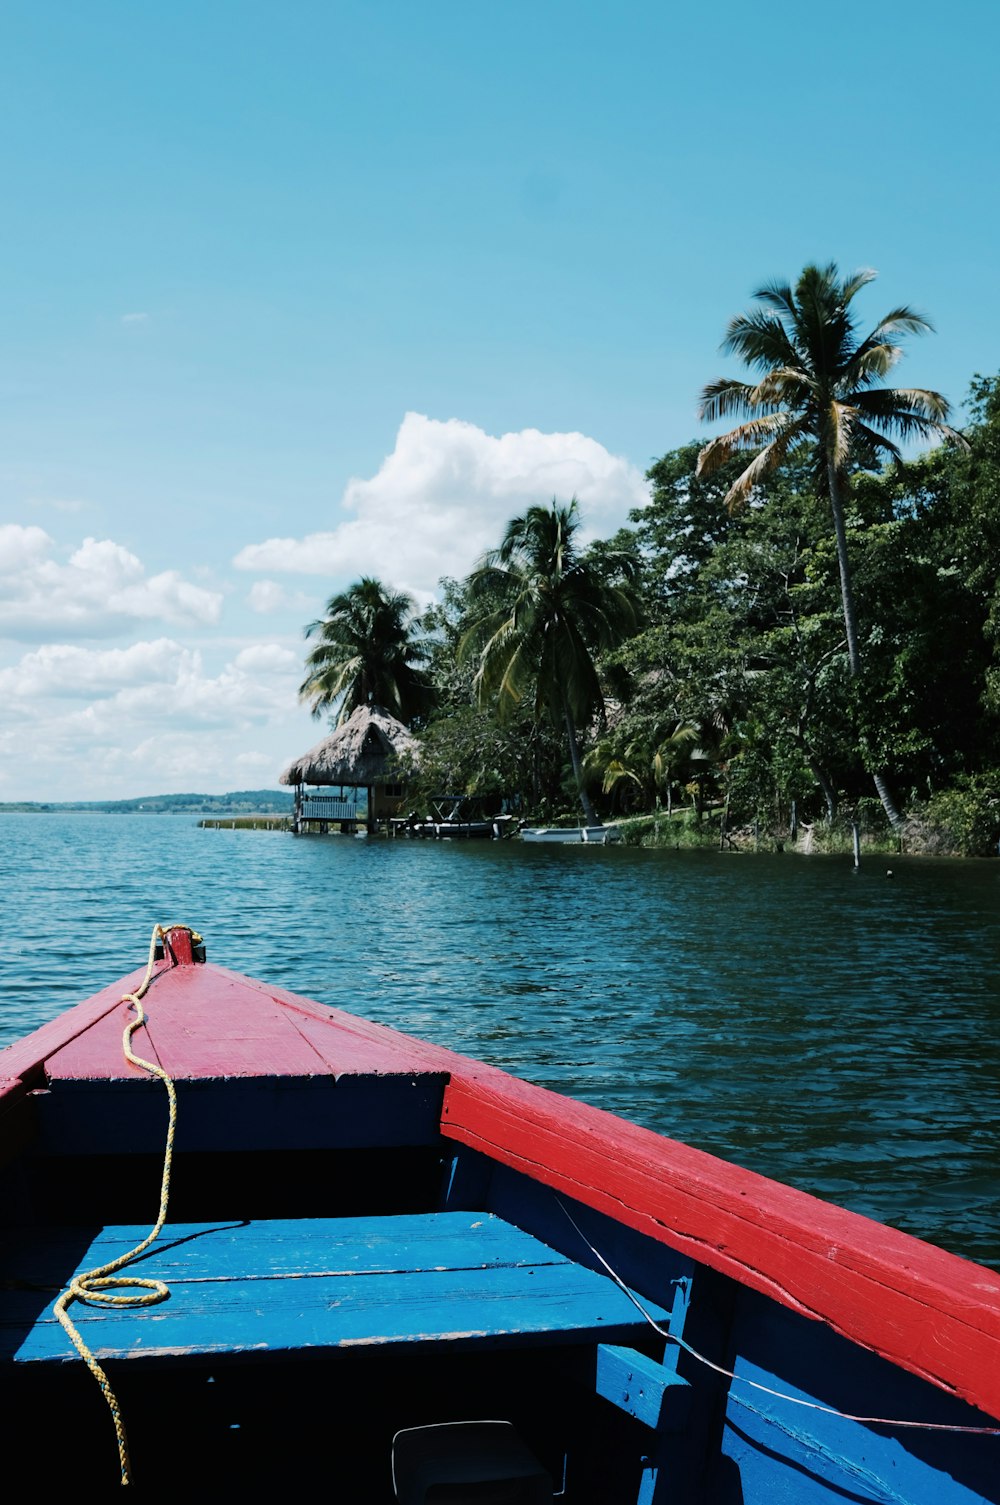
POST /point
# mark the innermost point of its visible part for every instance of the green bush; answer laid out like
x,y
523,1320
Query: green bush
x,y
965,819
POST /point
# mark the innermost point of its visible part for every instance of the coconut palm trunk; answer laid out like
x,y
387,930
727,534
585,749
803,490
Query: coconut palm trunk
x,y
589,812
844,565
879,779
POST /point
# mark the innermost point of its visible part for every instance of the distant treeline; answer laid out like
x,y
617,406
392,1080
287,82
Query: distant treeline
x,y
240,802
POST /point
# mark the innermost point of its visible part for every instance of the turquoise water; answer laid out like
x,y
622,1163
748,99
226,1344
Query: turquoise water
x,y
836,1031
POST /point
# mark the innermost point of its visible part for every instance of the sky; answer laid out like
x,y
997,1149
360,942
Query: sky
x,y
298,292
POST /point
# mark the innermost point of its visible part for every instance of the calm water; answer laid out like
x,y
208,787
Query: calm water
x,y
839,1032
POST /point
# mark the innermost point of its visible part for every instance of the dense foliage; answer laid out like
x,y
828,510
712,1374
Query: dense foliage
x,y
696,667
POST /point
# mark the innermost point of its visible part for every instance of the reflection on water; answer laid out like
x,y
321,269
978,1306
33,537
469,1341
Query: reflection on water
x,y
837,1031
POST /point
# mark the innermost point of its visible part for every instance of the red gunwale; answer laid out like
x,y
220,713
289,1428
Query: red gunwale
x,y
928,1311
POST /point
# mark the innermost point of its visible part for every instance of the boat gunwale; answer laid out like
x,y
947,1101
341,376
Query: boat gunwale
x,y
920,1307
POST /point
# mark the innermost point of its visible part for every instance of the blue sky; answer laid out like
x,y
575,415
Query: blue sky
x,y
244,241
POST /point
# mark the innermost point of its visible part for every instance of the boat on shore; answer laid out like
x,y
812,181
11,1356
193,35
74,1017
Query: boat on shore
x,y
600,836
396,1273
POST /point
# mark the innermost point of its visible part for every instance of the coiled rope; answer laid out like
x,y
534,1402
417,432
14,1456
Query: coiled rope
x,y
101,1286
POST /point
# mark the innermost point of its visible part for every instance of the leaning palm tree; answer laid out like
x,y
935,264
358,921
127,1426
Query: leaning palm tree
x,y
818,381
367,654
546,613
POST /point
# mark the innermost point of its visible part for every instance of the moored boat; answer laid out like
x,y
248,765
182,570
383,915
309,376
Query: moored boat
x,y
594,835
396,1272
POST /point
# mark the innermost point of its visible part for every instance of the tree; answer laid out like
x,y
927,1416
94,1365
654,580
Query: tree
x,y
818,383
649,759
367,654
556,613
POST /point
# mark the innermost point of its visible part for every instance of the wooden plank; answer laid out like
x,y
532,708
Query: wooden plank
x,y
497,1307
96,1053
346,1053
926,1310
230,1033
283,1247
25,1059
641,1387
208,1022
12,1089
241,1114
444,1278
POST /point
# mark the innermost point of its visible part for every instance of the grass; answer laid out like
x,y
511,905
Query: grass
x,y
247,823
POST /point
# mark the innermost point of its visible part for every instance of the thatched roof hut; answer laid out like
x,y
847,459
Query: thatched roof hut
x,y
360,752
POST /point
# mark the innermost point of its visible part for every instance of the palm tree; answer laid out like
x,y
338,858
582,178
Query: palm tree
x,y
546,613
817,381
650,758
367,655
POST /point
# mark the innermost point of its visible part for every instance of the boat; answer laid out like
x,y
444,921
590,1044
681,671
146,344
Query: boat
x,y
454,817
595,835
377,1267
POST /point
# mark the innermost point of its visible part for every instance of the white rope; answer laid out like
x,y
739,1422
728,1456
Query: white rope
x,y
794,1400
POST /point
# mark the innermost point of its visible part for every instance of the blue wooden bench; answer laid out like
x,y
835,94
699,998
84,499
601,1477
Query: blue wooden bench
x,y
459,1278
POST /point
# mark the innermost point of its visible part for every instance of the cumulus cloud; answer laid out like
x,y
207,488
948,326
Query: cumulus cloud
x,y
112,720
442,497
259,683
102,589
65,670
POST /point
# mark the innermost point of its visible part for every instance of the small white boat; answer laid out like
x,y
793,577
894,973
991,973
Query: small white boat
x,y
595,835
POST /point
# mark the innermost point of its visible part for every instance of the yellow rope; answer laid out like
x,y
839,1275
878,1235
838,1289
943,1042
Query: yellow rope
x,y
96,1287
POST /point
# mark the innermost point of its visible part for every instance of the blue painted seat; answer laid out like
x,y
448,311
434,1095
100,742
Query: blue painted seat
x,y
314,1285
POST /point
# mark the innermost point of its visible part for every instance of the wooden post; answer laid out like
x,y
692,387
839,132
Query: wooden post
x,y
856,833
371,809
793,830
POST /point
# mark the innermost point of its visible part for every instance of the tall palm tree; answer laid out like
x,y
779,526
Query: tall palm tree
x,y
818,381
367,654
546,613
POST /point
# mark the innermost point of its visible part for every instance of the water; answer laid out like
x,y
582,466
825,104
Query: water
x,y
836,1031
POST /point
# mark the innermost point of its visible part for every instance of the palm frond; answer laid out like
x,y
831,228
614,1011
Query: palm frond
x,y
726,398
785,387
852,285
905,405
870,449
745,436
901,321
872,361
760,339
776,295
769,458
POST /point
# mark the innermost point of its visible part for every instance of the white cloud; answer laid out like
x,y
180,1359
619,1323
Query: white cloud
x,y
22,548
135,318
267,659
267,596
101,590
64,670
443,496
153,718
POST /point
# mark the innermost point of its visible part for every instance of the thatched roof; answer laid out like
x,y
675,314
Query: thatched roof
x,y
359,752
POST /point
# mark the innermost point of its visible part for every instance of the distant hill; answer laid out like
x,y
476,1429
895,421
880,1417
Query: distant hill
x,y
240,802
